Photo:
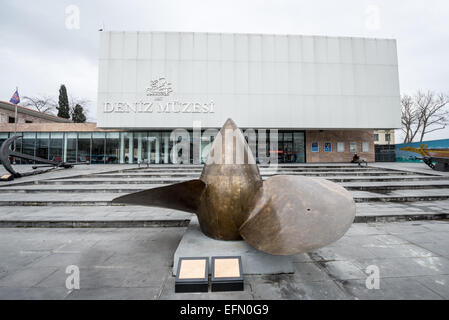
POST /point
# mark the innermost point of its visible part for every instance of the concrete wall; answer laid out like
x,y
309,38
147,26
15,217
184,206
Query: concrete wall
x,y
22,118
382,138
261,81
335,136
54,127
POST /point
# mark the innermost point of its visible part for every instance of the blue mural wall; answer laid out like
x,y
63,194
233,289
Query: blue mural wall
x,y
408,156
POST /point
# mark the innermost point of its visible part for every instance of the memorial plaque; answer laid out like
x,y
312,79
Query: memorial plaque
x,y
192,275
227,274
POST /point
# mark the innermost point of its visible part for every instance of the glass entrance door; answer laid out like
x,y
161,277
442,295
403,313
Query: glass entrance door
x,y
291,147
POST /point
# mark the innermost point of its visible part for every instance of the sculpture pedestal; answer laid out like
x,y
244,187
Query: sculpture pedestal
x,y
195,244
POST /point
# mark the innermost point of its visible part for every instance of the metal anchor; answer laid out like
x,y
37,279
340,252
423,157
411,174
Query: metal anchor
x,y
6,153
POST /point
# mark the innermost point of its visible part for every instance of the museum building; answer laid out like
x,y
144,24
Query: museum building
x,y
322,96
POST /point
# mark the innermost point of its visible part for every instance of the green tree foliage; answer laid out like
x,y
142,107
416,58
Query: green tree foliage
x,y
78,114
63,103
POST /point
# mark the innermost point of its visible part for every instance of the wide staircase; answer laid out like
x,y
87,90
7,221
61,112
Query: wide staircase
x,y
84,200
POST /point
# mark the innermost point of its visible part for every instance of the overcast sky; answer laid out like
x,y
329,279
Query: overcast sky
x,y
38,52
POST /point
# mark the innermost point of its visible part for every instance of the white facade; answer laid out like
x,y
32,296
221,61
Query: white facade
x,y
169,80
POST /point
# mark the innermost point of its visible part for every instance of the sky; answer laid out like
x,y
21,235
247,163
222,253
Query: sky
x,y
46,43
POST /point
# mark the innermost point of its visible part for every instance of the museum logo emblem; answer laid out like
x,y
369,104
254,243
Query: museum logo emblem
x,y
158,90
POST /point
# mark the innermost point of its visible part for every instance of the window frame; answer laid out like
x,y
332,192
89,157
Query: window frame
x,y
339,144
353,143
366,143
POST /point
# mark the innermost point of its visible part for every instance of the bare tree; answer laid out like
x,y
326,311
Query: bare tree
x,y
423,113
409,118
44,104
433,113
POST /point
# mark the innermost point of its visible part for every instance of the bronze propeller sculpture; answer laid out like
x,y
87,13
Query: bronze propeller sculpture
x,y
282,215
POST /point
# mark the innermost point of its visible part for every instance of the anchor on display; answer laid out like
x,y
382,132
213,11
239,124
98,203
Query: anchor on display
x,y
6,153
282,215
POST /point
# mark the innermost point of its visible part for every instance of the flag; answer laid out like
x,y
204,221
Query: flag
x,y
15,98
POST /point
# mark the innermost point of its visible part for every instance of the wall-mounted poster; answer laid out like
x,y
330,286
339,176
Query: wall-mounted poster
x,y
328,147
315,147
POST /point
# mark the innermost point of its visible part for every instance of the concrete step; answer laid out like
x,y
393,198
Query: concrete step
x,y
387,179
294,169
375,187
262,166
138,216
91,217
104,198
99,189
158,181
266,174
385,187
407,195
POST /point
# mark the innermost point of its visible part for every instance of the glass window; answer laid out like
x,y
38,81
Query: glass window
x,y
352,146
340,147
327,147
128,147
84,146
42,142
3,137
285,145
17,146
365,146
70,146
287,136
154,139
387,137
376,137
112,151
98,147
167,145
56,143
141,146
207,139
250,136
315,147
298,147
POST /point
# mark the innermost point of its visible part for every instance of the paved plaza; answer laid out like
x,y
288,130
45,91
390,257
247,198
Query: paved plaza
x,y
65,218
127,263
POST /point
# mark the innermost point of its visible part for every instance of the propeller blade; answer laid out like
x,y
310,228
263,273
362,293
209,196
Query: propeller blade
x,y
184,196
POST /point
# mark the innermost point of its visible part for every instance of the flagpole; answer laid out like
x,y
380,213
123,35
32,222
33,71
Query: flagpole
x,y
15,124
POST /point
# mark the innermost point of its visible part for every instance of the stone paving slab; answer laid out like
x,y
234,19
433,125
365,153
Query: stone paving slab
x,y
128,216
136,264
